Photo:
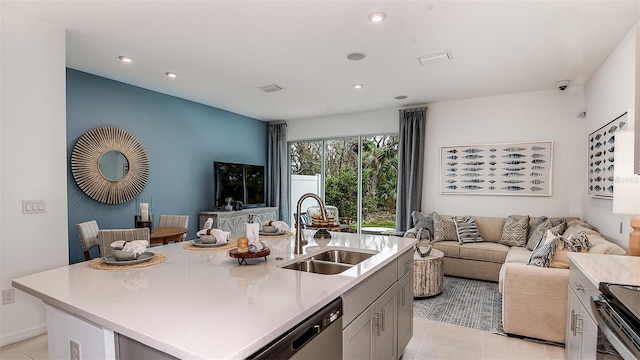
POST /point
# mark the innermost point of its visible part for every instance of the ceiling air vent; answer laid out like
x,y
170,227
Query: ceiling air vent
x,y
270,88
428,59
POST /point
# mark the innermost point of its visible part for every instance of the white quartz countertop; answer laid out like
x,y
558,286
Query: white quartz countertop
x,y
202,304
608,268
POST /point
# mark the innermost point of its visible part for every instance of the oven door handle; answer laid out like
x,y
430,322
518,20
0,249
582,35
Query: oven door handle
x,y
597,305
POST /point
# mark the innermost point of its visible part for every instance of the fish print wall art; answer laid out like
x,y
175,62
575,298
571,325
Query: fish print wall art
x,y
497,169
601,157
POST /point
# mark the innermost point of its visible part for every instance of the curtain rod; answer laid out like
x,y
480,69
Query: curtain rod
x,y
423,107
278,122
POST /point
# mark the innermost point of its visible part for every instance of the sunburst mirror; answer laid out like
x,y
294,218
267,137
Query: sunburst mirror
x,y
110,165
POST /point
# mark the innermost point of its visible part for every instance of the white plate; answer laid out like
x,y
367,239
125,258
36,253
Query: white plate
x,y
262,233
199,243
146,256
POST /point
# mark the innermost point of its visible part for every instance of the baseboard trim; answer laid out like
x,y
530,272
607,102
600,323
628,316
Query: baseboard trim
x,y
23,335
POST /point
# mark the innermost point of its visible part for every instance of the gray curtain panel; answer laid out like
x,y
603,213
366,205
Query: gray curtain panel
x,y
410,165
278,171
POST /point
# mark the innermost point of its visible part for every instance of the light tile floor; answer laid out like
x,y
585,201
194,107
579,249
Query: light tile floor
x,y
431,340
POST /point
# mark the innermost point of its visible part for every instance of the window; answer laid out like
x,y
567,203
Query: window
x,y
357,175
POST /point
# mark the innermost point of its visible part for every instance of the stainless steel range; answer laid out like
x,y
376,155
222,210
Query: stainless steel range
x,y
617,312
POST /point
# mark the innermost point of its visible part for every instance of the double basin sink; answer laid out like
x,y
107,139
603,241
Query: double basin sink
x,y
331,261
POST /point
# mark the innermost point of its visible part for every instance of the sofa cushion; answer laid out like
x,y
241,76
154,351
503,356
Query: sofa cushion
x,y
467,230
422,221
514,232
518,254
490,228
443,228
484,251
448,247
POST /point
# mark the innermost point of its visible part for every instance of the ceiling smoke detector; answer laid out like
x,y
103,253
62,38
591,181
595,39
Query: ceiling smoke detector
x,y
428,59
270,88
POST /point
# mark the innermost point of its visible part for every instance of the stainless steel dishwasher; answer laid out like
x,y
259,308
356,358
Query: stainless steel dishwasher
x,y
317,337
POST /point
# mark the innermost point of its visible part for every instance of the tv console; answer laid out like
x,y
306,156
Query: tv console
x,y
234,221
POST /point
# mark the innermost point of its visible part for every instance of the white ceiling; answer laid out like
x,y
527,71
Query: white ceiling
x,y
223,50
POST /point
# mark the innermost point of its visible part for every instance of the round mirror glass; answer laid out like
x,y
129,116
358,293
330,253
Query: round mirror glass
x,y
113,165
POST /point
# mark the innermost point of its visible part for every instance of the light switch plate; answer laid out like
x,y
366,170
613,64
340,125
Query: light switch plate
x,y
34,206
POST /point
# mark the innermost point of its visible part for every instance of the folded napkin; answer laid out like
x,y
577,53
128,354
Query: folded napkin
x,y
221,236
136,247
279,225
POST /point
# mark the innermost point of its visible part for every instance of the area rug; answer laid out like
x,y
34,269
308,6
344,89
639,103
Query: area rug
x,y
477,305
469,303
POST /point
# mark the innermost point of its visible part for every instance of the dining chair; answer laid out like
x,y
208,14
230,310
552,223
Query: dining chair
x,y
175,221
88,235
107,236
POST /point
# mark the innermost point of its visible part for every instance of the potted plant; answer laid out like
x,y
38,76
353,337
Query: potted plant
x,y
228,207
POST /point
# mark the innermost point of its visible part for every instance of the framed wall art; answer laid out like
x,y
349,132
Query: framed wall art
x,y
522,168
601,157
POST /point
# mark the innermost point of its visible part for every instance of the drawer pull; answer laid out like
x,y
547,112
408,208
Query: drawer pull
x,y
578,287
376,326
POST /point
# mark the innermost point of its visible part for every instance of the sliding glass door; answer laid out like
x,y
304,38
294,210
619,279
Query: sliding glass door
x,y
356,175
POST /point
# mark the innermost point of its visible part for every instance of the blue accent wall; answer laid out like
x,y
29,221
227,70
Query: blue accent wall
x,y
182,139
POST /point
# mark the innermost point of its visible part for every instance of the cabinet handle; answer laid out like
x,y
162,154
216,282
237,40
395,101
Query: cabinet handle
x,y
376,326
579,324
572,322
403,291
401,296
579,287
382,320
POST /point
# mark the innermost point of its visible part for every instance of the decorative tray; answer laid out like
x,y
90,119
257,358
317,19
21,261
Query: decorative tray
x,y
247,255
199,243
146,256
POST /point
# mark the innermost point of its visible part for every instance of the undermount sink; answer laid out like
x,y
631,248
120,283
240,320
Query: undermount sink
x,y
342,256
330,262
318,267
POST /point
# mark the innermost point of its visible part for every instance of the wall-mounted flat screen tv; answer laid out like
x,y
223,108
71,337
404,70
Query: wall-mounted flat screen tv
x,y
241,182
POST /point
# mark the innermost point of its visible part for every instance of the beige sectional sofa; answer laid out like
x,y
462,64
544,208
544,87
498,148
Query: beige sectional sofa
x,y
534,299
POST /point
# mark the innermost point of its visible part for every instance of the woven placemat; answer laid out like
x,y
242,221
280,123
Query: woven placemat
x,y
282,236
230,245
98,264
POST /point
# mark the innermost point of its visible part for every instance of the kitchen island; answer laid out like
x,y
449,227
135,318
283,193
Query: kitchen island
x,y
197,304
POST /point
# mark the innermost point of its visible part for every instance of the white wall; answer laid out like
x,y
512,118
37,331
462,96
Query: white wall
x,y
536,116
32,162
547,115
364,123
609,93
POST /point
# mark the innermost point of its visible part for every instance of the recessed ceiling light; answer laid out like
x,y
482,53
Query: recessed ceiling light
x,y
171,75
358,86
126,59
355,56
401,97
377,17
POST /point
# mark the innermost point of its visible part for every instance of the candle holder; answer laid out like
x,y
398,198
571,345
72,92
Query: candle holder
x,y
143,217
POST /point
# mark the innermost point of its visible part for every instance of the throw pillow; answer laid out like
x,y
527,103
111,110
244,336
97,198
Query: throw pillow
x,y
538,234
558,228
467,230
514,232
574,243
552,250
544,251
422,222
532,227
443,228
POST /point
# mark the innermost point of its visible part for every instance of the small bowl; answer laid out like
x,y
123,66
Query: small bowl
x,y
122,255
208,239
269,229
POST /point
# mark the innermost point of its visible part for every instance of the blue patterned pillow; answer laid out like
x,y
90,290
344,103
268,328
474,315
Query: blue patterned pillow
x,y
467,230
